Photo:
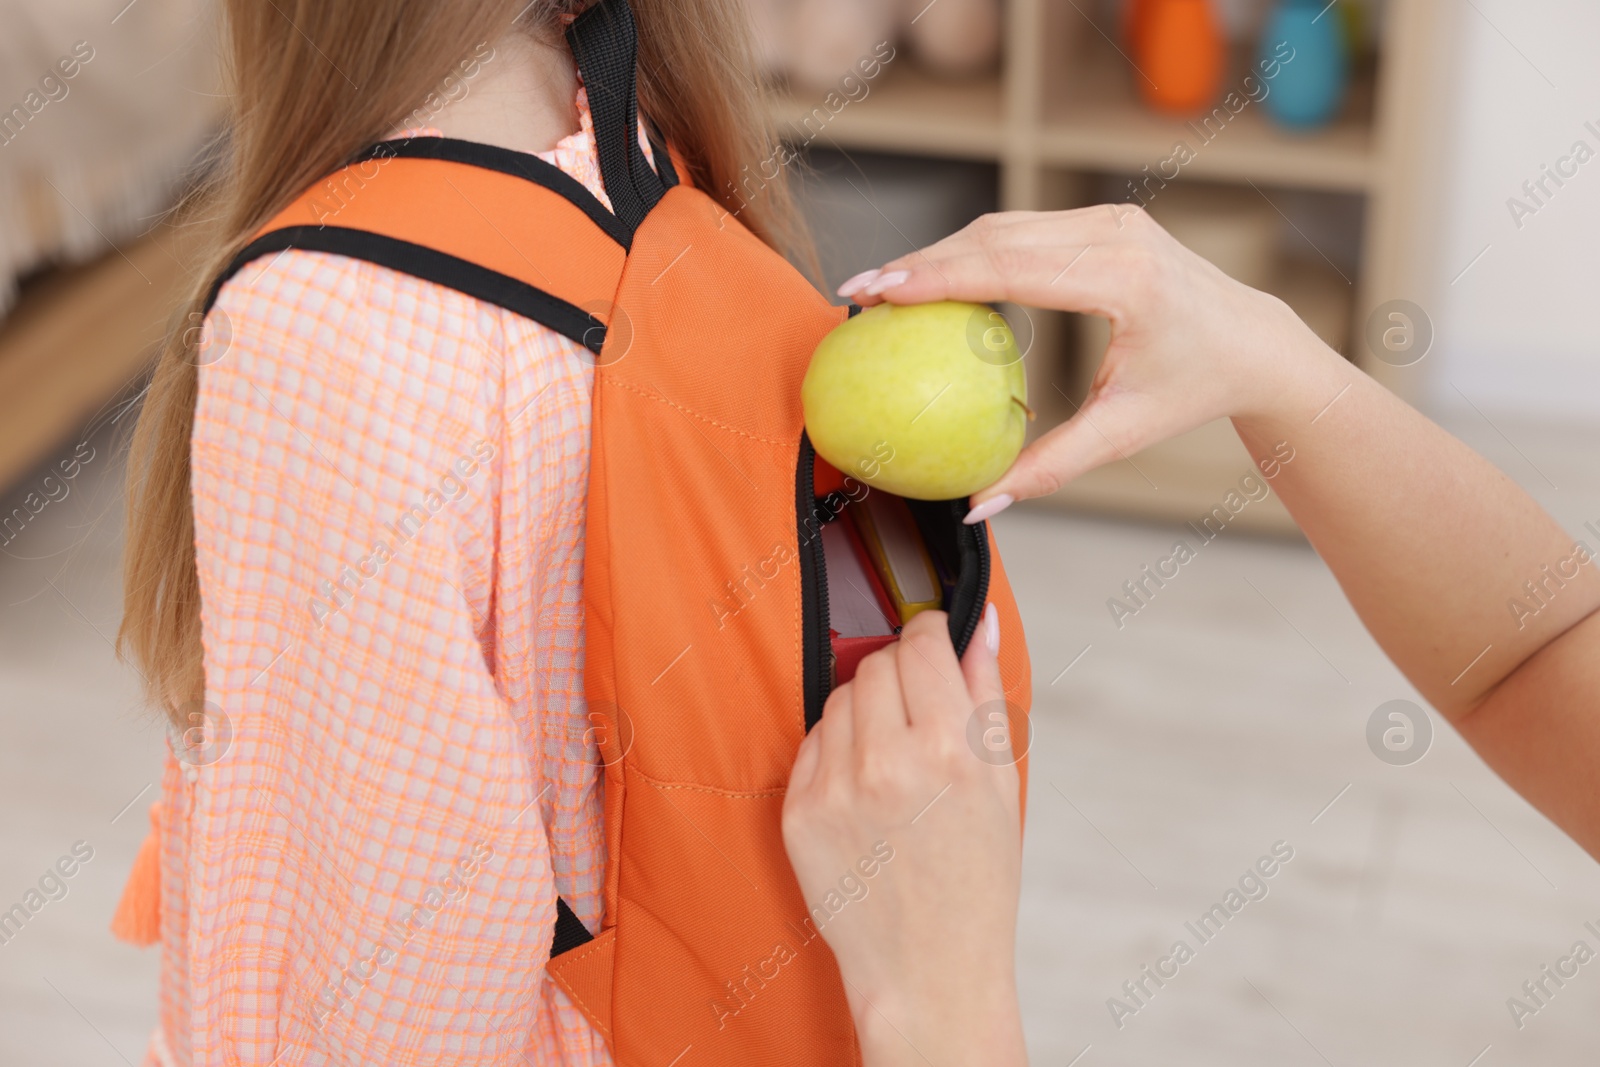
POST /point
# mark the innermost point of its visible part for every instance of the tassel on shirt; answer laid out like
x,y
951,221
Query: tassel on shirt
x,y
138,917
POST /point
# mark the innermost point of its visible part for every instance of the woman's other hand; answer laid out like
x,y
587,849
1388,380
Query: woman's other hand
x,y
1188,343
908,849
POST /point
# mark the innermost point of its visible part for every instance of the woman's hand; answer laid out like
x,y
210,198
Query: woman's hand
x,y
1188,343
908,849
1482,599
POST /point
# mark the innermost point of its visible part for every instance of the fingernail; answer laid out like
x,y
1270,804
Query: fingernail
x,y
888,281
991,629
858,283
989,509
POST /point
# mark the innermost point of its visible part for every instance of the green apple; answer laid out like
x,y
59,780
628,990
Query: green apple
x,y
926,401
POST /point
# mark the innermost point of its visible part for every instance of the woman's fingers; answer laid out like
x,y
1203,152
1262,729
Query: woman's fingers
x,y
878,706
1128,411
1041,277
837,729
806,761
987,697
981,665
1064,260
1112,424
1078,445
935,691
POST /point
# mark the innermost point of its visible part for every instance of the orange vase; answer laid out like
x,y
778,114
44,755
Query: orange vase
x,y
1180,55
1135,16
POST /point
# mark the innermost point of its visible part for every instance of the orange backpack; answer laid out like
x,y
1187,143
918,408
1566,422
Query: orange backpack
x,y
707,626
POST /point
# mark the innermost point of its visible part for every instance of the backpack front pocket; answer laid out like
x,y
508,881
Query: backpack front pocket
x,y
867,566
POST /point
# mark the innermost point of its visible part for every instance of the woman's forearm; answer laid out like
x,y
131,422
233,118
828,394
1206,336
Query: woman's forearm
x,y
1455,570
1476,593
985,1027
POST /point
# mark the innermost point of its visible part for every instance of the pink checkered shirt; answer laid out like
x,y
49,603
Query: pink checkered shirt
x,y
389,492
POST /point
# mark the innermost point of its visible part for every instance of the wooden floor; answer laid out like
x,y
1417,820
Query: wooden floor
x,y
1226,716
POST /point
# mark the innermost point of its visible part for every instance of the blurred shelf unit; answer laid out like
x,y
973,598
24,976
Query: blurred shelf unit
x,y
1085,127
79,339
1092,120
1064,123
909,112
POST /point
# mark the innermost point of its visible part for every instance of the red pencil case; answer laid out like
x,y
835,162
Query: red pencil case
x,y
862,617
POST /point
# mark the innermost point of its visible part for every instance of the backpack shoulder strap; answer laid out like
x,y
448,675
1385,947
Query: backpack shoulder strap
x,y
502,226
605,43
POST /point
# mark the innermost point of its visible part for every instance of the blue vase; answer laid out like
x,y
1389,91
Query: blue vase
x,y
1307,42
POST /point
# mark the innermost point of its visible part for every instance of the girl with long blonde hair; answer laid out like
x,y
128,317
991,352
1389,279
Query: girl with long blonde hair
x,y
355,552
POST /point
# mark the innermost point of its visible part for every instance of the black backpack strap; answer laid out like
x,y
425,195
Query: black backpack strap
x,y
543,280
605,43
429,265
523,165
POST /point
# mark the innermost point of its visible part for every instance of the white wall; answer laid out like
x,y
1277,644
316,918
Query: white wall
x,y
1520,331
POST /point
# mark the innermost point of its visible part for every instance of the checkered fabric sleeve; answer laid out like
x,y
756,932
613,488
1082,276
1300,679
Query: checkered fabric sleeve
x,y
389,486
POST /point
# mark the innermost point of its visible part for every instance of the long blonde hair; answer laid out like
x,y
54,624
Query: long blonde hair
x,y
311,84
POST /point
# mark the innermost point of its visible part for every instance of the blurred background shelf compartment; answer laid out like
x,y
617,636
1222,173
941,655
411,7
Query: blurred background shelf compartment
x,y
1095,122
905,111
79,338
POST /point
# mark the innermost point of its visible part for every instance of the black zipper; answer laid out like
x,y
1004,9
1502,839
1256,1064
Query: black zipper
x,y
963,550
966,601
976,538
816,648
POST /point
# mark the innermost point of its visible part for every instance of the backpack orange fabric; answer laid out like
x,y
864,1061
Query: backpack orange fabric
x,y
707,636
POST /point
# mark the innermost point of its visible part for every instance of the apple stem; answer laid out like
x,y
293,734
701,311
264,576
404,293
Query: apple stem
x,y
1024,407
